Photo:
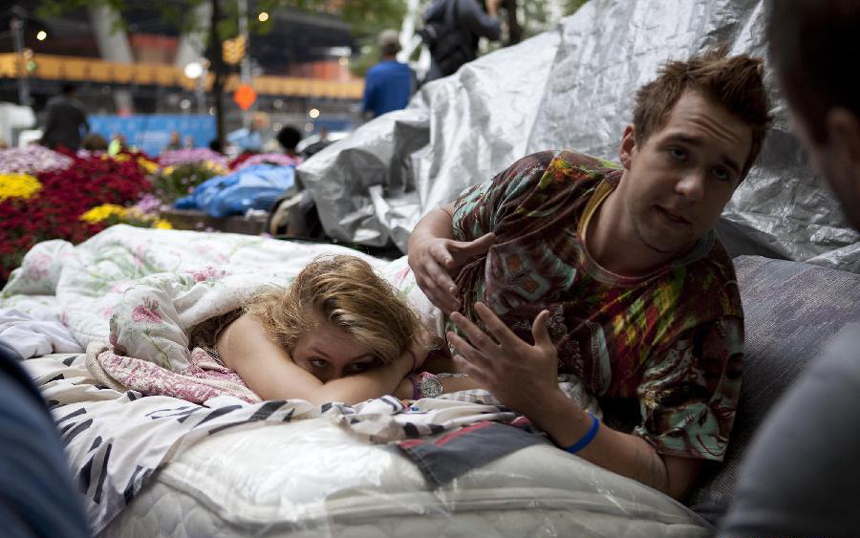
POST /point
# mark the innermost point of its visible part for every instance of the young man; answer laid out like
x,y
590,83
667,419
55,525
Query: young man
x,y
801,476
613,273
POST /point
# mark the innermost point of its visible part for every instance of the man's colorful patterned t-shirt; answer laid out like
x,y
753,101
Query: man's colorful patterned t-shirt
x,y
671,342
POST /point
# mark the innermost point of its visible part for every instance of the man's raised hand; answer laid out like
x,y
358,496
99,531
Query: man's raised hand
x,y
436,261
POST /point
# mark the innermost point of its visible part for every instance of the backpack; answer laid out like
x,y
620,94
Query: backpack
x,y
443,37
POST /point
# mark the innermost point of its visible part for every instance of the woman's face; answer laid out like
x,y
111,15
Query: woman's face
x,y
329,352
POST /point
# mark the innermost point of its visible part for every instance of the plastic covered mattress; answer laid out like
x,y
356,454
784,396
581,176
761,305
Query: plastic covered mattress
x,y
312,478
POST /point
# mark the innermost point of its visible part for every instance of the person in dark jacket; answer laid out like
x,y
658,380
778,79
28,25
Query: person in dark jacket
x,y
37,498
64,120
800,476
452,31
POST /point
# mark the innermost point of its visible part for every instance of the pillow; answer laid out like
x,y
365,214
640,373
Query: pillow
x,y
792,310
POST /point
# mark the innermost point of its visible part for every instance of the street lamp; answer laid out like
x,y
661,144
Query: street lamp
x,y
193,70
263,16
41,35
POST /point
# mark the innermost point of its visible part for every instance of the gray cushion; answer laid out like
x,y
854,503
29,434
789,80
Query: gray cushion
x,y
791,311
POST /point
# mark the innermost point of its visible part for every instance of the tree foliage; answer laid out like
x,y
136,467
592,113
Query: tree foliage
x,y
365,17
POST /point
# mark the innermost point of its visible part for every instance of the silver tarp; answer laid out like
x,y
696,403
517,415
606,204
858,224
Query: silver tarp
x,y
571,87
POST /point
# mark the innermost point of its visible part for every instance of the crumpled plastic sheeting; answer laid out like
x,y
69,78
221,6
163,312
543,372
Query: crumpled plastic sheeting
x,y
571,87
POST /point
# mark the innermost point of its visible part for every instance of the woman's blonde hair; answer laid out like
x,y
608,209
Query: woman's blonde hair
x,y
345,291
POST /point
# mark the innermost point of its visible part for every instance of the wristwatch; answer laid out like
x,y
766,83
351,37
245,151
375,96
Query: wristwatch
x,y
426,385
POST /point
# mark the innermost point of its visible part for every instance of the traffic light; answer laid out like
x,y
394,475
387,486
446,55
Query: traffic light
x,y
29,61
233,50
26,62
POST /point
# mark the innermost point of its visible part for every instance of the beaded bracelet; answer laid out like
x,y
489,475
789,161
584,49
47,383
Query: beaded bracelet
x,y
587,438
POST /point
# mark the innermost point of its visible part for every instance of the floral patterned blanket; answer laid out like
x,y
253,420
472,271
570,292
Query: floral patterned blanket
x,y
83,285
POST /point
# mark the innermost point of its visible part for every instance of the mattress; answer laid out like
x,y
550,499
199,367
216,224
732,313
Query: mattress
x,y
313,478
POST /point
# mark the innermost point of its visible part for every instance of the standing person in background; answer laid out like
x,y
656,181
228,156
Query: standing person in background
x,y
388,84
117,144
800,476
65,117
250,139
175,141
452,31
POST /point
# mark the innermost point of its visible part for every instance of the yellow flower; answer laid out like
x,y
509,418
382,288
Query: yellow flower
x,y
167,171
147,165
102,212
163,224
214,167
18,186
121,157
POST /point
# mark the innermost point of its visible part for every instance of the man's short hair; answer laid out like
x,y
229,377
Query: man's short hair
x,y
289,137
735,82
813,45
389,42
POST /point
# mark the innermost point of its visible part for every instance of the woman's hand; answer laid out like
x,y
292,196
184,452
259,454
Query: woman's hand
x,y
405,390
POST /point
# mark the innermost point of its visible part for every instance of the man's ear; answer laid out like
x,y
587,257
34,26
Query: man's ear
x,y
843,135
628,146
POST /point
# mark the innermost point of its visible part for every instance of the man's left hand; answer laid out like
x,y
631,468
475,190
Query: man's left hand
x,y
519,374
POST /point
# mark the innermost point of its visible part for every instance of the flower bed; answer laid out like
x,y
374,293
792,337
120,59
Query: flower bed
x,y
31,160
173,182
51,204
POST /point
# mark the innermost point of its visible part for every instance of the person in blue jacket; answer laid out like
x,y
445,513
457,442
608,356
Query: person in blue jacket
x,y
388,84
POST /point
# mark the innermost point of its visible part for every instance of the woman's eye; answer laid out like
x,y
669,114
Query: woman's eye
x,y
678,154
358,367
721,173
318,363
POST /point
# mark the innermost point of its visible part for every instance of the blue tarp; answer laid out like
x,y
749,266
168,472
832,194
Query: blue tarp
x,y
254,187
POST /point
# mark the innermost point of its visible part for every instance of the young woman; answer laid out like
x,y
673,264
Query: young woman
x,y
338,333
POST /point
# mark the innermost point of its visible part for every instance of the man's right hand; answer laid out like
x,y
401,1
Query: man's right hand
x,y
436,261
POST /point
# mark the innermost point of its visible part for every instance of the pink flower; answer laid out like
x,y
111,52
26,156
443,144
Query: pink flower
x,y
147,312
207,273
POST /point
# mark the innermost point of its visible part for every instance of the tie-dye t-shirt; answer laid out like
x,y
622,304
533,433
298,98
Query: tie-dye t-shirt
x,y
669,344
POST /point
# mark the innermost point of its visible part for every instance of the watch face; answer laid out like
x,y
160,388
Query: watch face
x,y
430,386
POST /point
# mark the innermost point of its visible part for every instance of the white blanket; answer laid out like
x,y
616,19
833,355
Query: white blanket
x,y
32,337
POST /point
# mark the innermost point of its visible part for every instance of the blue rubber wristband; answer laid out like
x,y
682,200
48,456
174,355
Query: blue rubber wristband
x,y
587,438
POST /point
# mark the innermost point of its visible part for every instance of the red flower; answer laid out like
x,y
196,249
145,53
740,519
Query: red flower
x,y
65,196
